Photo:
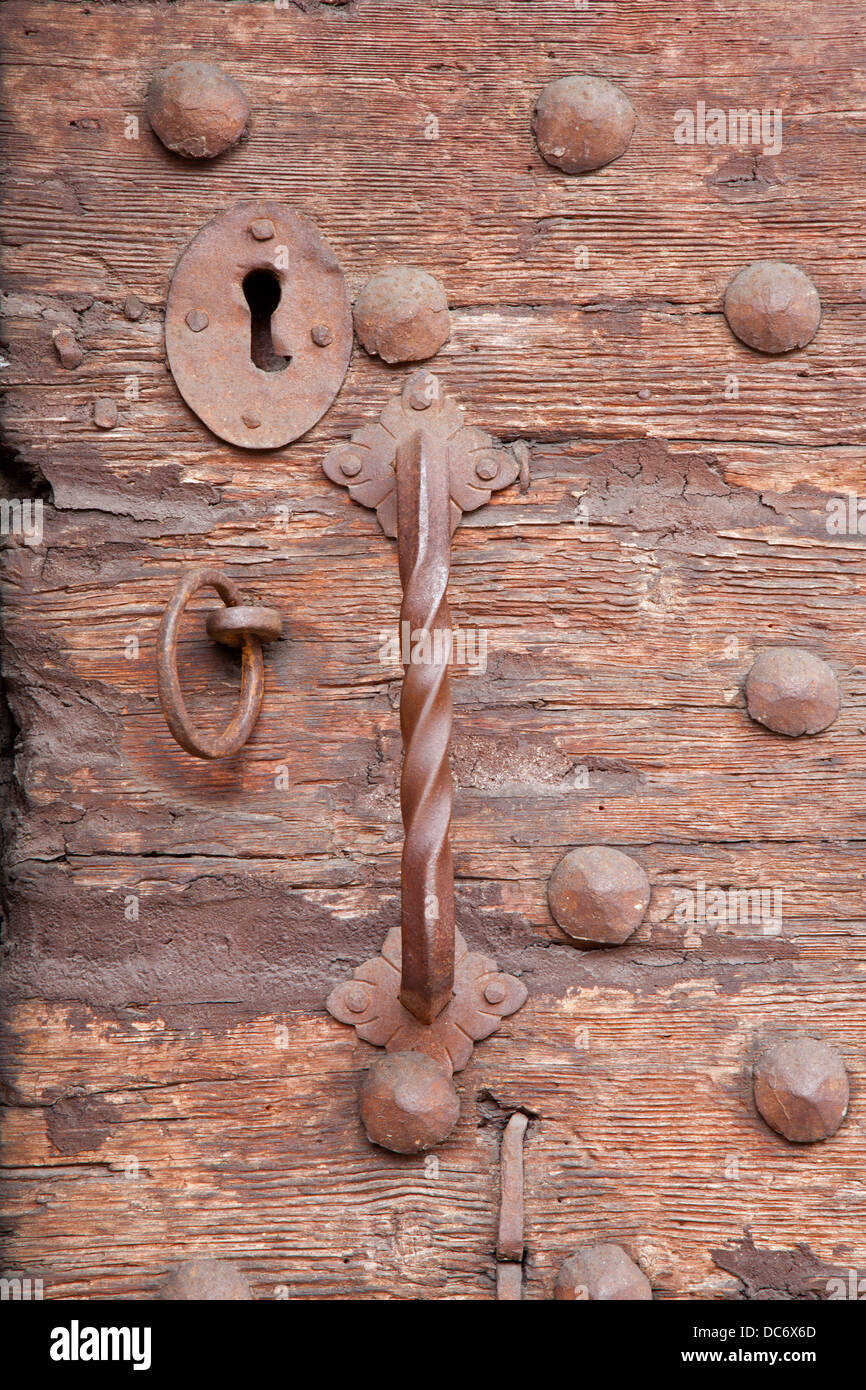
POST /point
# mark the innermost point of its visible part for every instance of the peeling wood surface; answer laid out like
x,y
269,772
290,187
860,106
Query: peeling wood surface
x,y
173,1082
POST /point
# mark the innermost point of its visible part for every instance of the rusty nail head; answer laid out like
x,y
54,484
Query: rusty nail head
x,y
350,464
104,413
422,390
582,123
262,229
801,1089
408,1102
773,306
196,109
67,348
487,468
357,999
321,335
401,315
598,895
494,992
258,357
599,1273
206,1280
251,420
133,307
196,320
792,691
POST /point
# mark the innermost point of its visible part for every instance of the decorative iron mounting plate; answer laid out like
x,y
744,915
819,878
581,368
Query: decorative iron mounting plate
x,y
483,996
208,326
366,464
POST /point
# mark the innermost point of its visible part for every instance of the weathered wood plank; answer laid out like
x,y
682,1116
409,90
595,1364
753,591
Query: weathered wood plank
x,y
138,1138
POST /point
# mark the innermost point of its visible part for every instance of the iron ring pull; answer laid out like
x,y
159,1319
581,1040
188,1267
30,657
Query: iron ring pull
x,y
235,625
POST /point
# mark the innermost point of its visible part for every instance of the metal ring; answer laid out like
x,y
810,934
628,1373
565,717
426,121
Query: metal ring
x,y
236,733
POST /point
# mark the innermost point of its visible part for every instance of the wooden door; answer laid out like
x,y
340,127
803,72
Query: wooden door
x,y
174,1083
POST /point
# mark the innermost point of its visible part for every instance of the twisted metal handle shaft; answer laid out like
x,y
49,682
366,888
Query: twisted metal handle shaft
x,y
426,794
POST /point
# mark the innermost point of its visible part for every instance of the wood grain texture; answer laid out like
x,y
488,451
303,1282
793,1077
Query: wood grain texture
x,y
172,1080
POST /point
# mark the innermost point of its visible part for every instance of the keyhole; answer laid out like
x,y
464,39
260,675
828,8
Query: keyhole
x,y
262,293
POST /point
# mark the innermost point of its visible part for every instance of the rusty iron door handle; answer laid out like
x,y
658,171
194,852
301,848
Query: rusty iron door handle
x,y
421,467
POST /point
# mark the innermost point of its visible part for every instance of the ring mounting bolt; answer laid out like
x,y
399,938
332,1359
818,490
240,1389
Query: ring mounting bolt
x,y
262,229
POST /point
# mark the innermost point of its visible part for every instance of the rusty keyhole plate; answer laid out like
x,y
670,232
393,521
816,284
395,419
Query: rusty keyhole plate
x,y
210,328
